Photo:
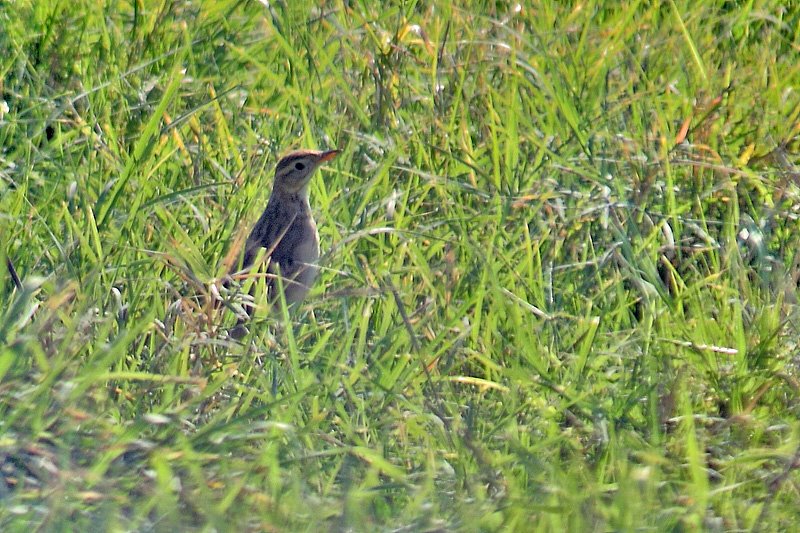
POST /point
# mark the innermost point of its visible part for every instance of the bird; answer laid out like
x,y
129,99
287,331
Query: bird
x,y
286,230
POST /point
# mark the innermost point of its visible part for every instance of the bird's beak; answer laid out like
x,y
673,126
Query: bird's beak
x,y
327,156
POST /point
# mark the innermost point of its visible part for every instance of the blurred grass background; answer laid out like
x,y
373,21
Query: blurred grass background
x,y
559,287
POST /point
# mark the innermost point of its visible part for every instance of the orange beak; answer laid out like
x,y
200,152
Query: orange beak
x,y
327,156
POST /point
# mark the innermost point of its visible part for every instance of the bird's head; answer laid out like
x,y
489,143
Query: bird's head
x,y
295,169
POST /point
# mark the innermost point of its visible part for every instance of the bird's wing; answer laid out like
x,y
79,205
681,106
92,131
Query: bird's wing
x,y
272,233
267,234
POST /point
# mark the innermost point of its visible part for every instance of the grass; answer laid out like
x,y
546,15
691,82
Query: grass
x,y
559,287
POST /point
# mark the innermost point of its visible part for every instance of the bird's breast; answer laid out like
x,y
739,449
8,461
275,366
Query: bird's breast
x,y
307,249
302,270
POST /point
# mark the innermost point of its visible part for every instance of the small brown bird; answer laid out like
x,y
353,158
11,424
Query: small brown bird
x,y
286,229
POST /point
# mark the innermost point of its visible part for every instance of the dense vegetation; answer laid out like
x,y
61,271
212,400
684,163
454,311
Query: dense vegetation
x,y
559,287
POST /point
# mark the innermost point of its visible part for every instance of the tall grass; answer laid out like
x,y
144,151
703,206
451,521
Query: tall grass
x,y
559,277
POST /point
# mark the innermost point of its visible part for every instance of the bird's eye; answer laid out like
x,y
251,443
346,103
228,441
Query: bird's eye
x,y
299,166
